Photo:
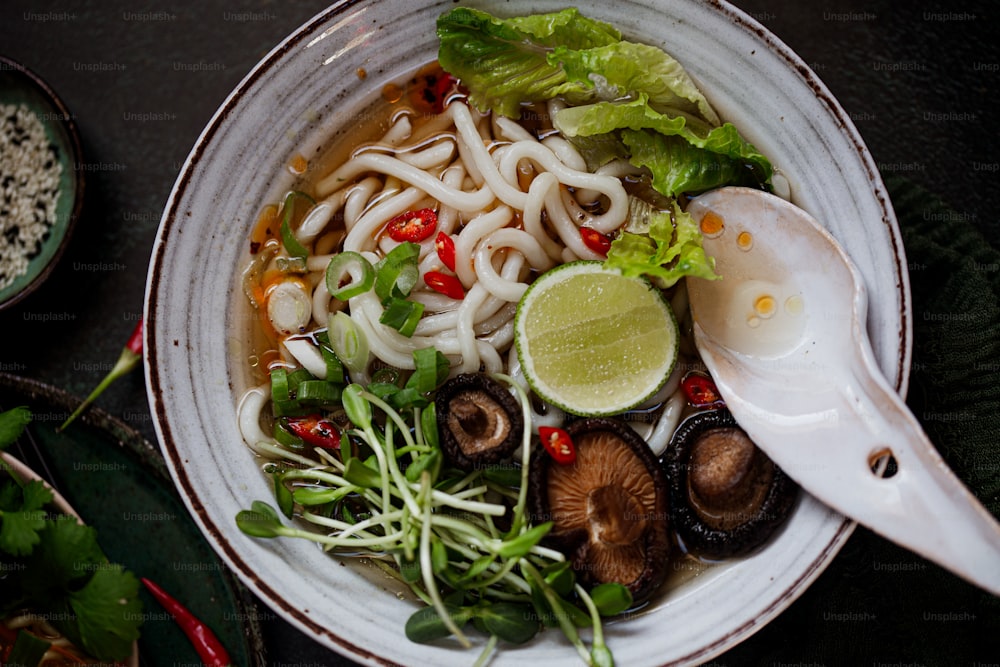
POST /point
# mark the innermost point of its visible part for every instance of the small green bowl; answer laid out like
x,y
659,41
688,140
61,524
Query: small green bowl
x,y
20,86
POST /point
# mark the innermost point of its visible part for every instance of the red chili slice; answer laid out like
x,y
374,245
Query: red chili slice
x,y
412,226
445,284
442,88
445,246
316,431
596,241
558,444
701,391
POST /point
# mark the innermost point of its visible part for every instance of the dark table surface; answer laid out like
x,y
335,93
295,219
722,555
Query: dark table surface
x,y
141,80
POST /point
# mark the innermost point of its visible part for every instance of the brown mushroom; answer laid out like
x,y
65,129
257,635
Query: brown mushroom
x,y
608,508
727,497
479,421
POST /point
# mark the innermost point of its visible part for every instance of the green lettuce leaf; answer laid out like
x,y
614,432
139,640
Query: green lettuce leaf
x,y
678,166
504,62
670,250
630,70
684,154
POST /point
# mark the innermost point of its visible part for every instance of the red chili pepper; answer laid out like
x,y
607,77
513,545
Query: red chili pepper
x,y
442,87
315,430
445,284
596,241
558,444
413,226
445,246
128,359
701,391
209,648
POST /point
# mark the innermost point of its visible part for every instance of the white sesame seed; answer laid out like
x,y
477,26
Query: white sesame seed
x,y
29,189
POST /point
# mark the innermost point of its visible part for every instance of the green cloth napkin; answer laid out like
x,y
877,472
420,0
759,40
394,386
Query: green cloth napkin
x,y
878,604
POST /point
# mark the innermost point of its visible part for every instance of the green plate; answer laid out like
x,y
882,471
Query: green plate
x,y
116,481
18,85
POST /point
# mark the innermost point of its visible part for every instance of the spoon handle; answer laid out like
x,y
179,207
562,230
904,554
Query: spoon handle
x,y
926,507
830,442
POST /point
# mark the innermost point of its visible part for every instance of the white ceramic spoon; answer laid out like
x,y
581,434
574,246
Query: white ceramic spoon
x,y
783,334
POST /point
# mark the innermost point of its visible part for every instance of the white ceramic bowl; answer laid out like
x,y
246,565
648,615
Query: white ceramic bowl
x,y
305,93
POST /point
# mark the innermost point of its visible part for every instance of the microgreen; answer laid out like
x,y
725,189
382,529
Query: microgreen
x,y
397,496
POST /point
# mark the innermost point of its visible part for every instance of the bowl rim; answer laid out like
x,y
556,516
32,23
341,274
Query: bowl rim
x,y
173,217
75,158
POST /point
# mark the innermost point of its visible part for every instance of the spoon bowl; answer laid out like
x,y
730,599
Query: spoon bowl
x,y
784,335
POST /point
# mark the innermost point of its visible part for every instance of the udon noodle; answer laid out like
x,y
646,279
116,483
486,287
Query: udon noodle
x,y
512,196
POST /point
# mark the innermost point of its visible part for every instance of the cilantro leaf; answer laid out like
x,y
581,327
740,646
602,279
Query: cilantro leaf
x,y
36,495
10,497
68,553
20,528
12,422
55,567
108,613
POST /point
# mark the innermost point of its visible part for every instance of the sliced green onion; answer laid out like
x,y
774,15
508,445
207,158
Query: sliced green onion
x,y
351,264
348,342
431,369
292,245
334,369
317,392
298,376
406,399
286,438
27,649
397,273
284,392
279,385
402,315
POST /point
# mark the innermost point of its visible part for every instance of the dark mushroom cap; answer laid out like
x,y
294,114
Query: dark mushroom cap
x,y
479,421
726,496
608,508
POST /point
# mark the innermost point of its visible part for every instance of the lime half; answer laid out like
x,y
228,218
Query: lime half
x,y
592,341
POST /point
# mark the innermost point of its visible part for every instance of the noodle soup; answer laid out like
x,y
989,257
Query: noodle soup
x,y
396,266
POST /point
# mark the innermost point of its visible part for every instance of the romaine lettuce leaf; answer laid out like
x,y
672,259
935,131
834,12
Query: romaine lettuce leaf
x,y
630,70
678,166
671,250
652,140
504,62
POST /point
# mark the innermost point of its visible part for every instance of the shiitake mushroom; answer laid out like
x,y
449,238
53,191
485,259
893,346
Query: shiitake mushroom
x,y
726,496
479,421
608,508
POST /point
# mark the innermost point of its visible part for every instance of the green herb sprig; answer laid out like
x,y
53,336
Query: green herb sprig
x,y
55,569
435,527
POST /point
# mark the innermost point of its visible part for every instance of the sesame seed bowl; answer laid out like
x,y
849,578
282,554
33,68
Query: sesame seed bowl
x,y
41,184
